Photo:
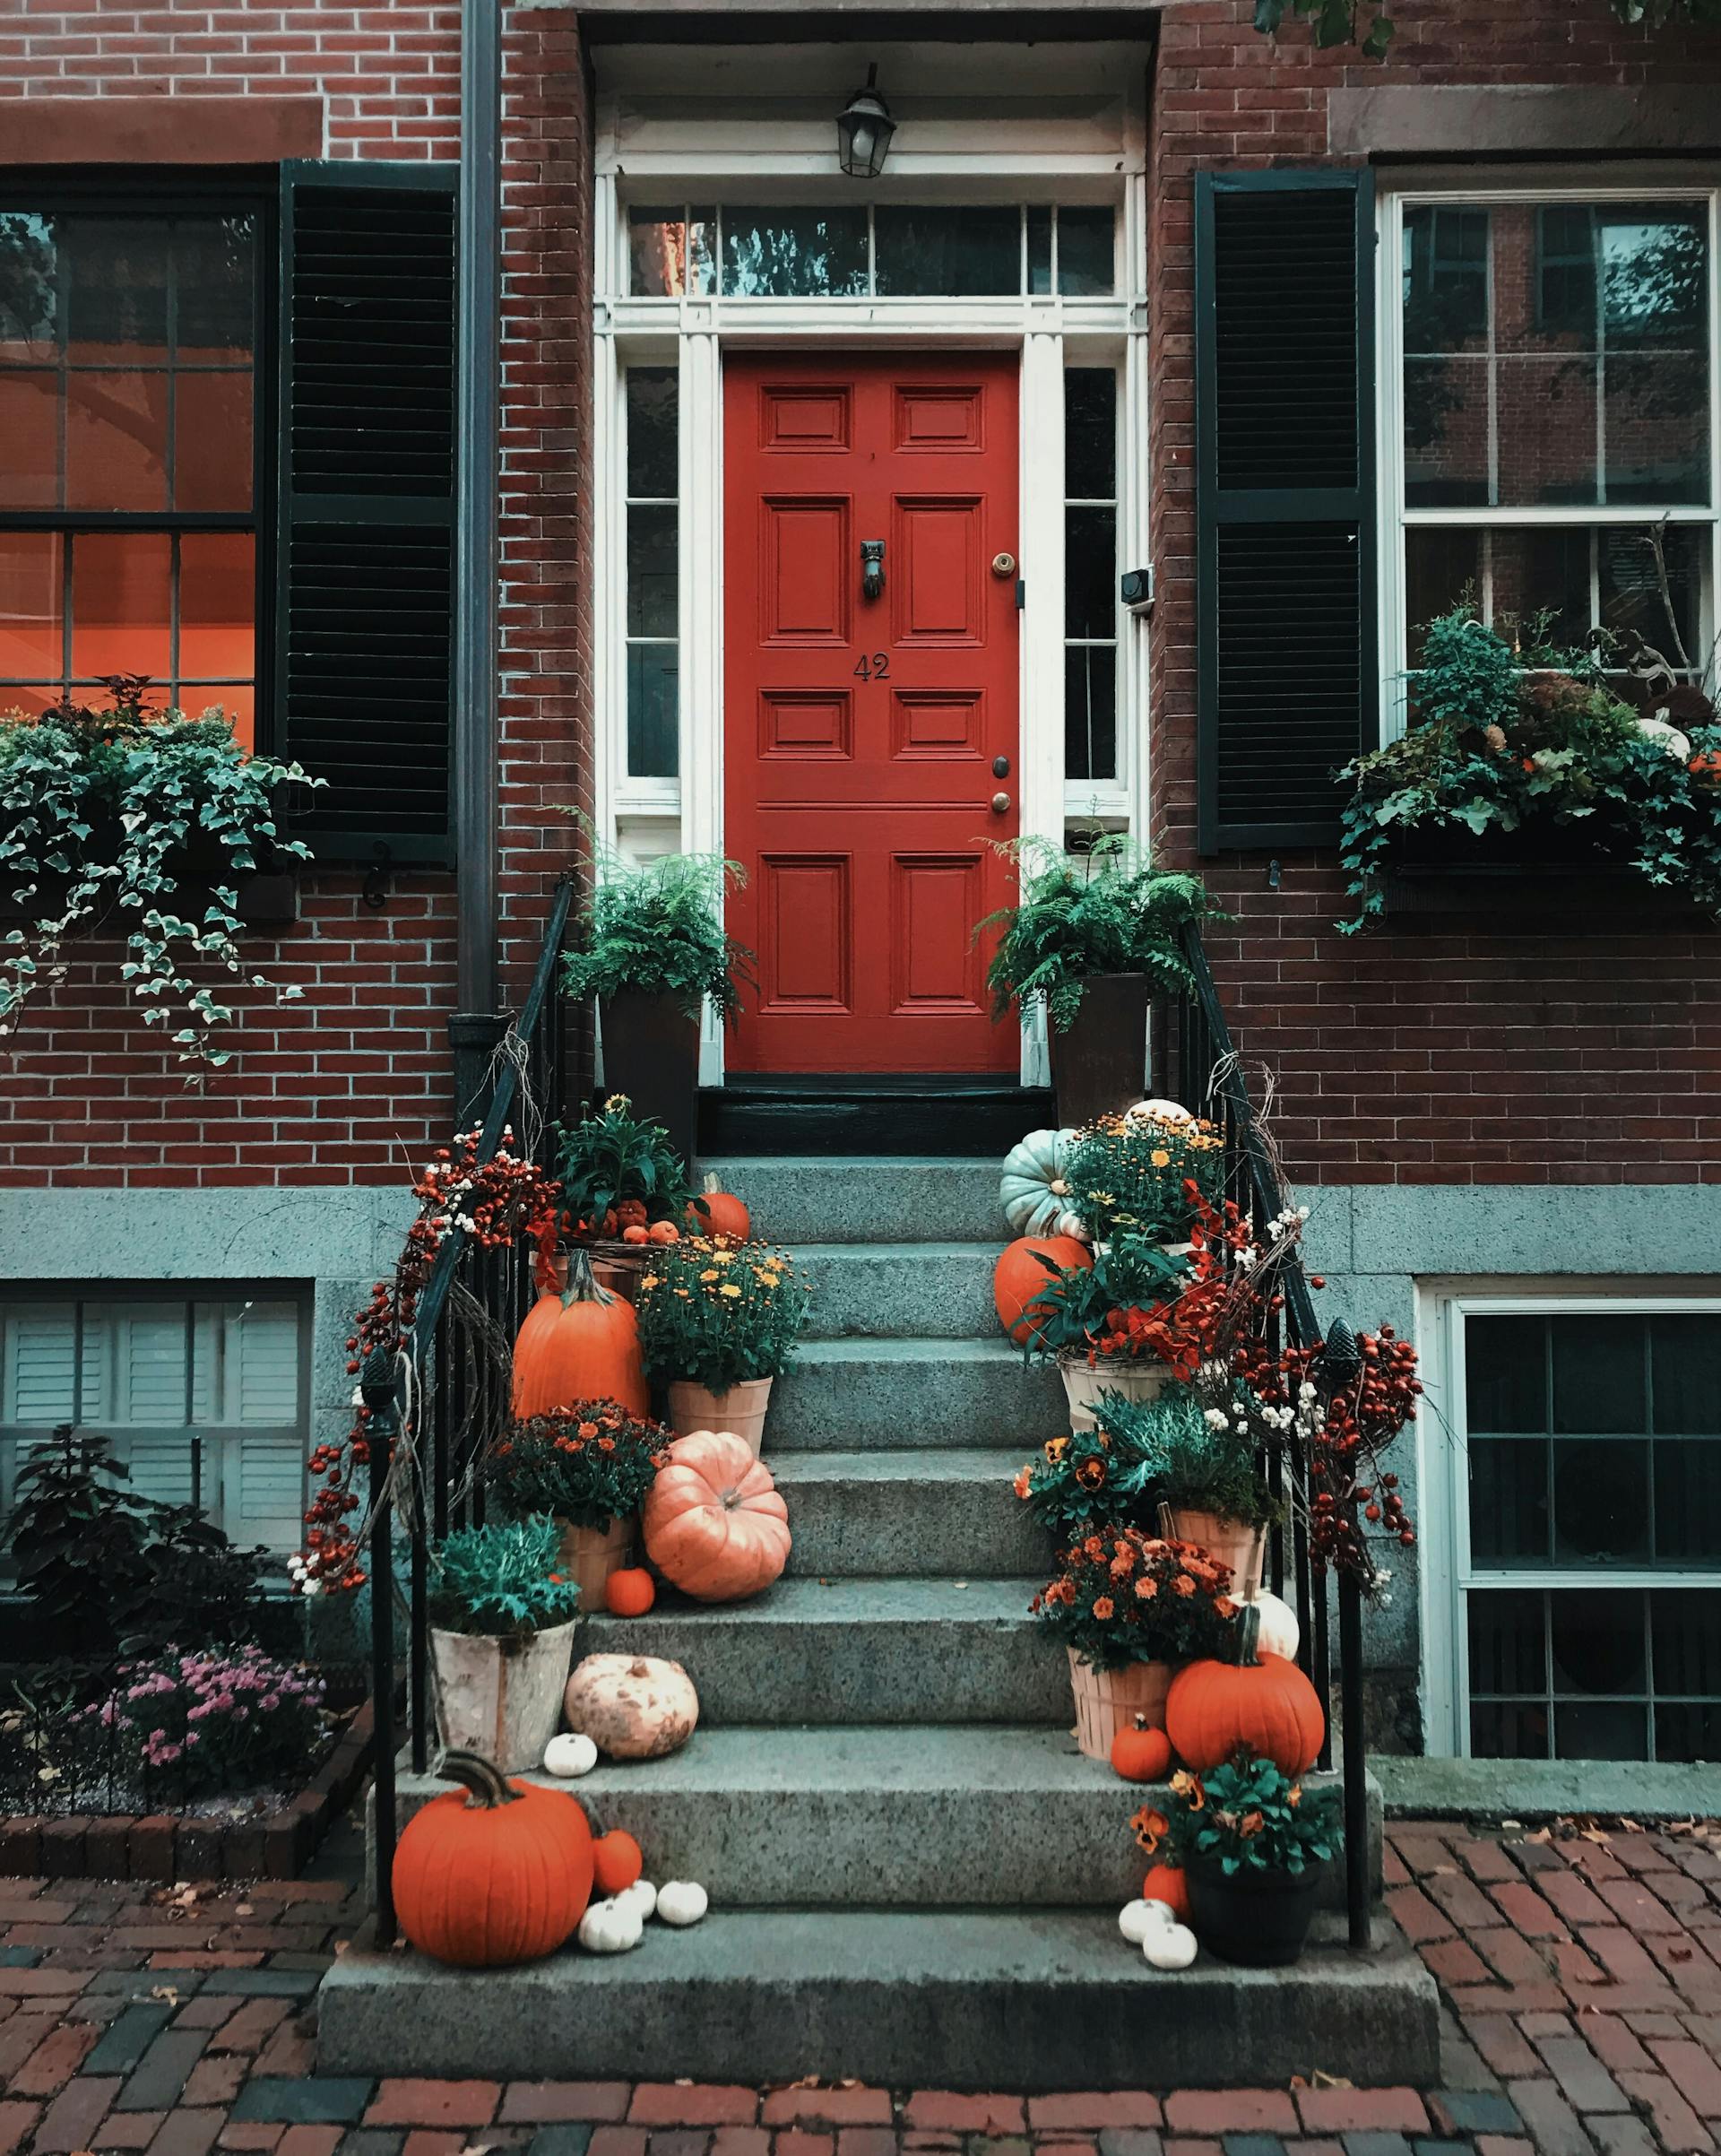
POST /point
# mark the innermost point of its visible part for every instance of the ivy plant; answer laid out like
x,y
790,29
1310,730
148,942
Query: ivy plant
x,y
1367,24
102,812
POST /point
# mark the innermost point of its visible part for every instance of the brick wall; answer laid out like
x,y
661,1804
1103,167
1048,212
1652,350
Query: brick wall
x,y
353,1082
1405,1056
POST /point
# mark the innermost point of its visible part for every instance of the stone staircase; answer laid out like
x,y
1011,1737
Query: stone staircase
x,y
914,1874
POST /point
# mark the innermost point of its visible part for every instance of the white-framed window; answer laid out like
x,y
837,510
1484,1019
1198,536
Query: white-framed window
x,y
1572,1468
203,1395
1551,414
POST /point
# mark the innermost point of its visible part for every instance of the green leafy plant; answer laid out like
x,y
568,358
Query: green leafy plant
x,y
1367,24
1089,1479
1193,1454
501,1580
1123,1596
614,1157
718,1314
105,818
1108,911
1081,1312
1247,1816
656,927
1508,735
594,1464
1143,1175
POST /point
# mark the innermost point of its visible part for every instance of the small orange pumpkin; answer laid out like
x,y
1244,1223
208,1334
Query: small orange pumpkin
x,y
1140,1754
662,1231
493,1872
629,1592
718,1212
1019,1275
634,1232
714,1523
1264,1707
1165,1882
581,1343
616,1862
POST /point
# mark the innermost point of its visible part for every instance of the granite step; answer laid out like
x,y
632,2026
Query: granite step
x,y
798,1199
911,1393
909,1514
894,1290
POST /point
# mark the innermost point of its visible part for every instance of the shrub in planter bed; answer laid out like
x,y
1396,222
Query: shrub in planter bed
x,y
211,1722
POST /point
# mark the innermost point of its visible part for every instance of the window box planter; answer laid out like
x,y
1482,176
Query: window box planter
x,y
1545,876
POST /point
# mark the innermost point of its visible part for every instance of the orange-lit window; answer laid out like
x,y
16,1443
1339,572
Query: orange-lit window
x,y
129,456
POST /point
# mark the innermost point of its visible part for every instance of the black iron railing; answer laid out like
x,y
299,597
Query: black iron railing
x,y
1206,1074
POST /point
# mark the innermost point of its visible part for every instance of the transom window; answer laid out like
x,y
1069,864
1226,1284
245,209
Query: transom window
x,y
1591,1579
1552,403
882,250
127,455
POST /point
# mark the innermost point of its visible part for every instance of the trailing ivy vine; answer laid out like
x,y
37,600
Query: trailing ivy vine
x,y
1367,24
105,816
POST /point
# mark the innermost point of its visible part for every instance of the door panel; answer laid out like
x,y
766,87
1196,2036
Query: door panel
x,y
861,732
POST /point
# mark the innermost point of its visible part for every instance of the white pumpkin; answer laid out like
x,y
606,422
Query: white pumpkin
x,y
1280,1634
1031,1188
611,1928
1172,1946
1158,1112
1666,736
641,1895
1138,1921
1072,1224
681,1901
569,1756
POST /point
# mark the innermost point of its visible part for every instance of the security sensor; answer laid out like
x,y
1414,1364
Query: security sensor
x,y
1136,588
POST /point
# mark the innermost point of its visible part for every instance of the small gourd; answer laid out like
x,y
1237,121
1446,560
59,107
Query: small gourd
x,y
1171,1946
1031,1188
1280,1634
1166,1886
611,1928
641,1895
615,1863
629,1591
1138,1920
569,1756
1140,1754
681,1901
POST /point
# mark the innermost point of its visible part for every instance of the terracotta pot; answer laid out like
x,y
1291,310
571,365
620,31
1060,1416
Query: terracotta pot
x,y
1100,1066
501,1697
1110,1699
1084,1382
592,1555
1243,1548
740,1409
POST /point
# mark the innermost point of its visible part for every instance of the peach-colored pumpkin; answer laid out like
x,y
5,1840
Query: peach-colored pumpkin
x,y
631,1706
714,1523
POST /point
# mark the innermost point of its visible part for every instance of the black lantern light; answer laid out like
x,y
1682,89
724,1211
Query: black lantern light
x,y
863,131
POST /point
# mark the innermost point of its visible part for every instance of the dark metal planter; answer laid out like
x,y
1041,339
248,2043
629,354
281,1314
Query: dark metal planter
x,y
1259,1919
650,1052
1100,1065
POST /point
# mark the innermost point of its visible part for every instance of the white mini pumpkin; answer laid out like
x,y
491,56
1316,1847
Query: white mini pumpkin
x,y
569,1756
681,1901
641,1895
1138,1921
1280,1632
1172,1946
611,1928
1158,1112
1031,1188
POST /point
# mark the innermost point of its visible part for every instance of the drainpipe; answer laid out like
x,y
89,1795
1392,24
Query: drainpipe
x,y
477,1023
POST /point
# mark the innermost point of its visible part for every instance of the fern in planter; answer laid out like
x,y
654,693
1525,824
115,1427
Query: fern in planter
x,y
104,816
656,928
1109,910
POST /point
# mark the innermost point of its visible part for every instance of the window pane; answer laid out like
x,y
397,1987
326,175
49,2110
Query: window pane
x,y
672,253
217,583
1599,1373
1601,1502
122,604
1685,1640
1505,1374
1508,1730
652,572
1445,278
211,436
1084,251
653,746
1090,711
1685,1373
1090,572
30,429
1687,1733
234,701
1688,1501
115,440
115,278
1507,1643
1617,1730
652,431
1039,249
1090,433
795,254
214,288
1597,1641
31,574
945,250
1509,1501
28,310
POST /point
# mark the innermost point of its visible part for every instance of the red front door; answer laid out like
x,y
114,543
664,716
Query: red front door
x,y
870,729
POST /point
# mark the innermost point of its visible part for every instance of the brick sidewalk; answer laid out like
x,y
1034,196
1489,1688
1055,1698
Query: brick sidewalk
x,y
1582,1979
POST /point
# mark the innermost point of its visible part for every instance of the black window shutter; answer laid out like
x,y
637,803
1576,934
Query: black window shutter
x,y
366,499
1284,500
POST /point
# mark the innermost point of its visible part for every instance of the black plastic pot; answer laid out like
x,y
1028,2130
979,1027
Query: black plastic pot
x,y
650,1052
1259,1919
1101,1064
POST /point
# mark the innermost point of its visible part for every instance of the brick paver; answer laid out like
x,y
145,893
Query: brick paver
x,y
1581,1971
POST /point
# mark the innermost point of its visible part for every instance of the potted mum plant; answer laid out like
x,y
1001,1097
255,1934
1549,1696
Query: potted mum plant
x,y
1254,1847
718,1323
591,1468
503,1615
1203,1462
1145,1173
652,948
1128,1606
1091,939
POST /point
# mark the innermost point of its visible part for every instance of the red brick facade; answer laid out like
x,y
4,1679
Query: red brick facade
x,y
353,1081
1405,1057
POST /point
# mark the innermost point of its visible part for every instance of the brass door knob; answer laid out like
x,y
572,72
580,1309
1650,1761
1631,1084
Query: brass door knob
x,y
1000,803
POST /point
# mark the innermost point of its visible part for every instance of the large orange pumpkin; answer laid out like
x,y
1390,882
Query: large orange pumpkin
x,y
494,1871
581,1343
718,1212
714,1525
1264,1707
1019,1276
